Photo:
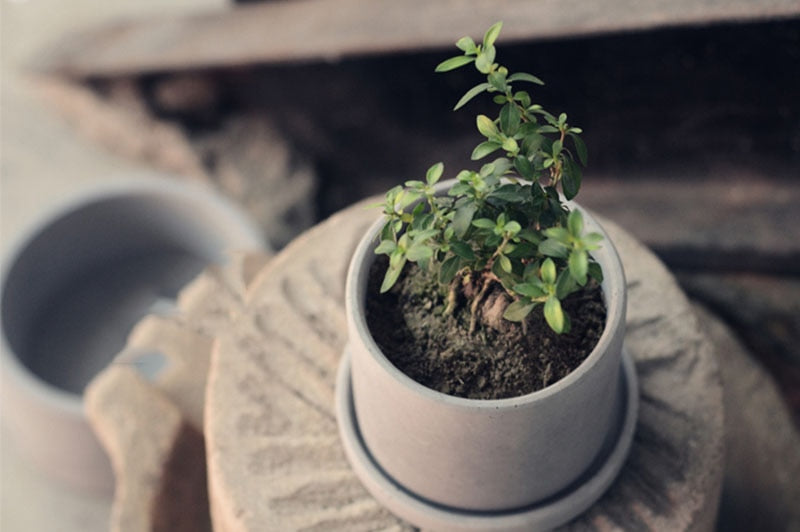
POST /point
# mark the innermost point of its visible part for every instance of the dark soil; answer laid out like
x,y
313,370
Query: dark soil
x,y
439,352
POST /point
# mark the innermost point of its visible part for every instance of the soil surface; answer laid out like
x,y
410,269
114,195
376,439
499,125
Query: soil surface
x,y
491,363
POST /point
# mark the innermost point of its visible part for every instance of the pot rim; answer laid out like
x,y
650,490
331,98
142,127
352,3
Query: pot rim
x,y
138,185
614,293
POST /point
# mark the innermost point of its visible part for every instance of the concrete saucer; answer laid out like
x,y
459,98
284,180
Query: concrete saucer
x,y
543,515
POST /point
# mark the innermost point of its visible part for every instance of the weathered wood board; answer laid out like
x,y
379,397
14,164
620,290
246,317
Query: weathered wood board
x,y
327,30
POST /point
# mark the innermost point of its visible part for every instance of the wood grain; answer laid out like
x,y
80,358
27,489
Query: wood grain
x,y
314,30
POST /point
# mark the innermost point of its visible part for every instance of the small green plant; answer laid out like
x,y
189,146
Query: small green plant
x,y
506,223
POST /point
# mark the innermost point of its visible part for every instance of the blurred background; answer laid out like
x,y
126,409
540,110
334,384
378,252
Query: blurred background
x,y
296,109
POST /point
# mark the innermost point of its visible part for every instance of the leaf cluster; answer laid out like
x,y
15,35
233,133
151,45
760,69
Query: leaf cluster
x,y
506,222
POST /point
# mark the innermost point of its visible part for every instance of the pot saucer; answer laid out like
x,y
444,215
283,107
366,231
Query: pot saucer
x,y
542,515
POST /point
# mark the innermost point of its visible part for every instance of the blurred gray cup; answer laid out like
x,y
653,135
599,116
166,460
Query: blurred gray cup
x,y
75,284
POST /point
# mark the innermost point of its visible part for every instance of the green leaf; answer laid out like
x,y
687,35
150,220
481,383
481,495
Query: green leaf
x,y
386,247
553,248
466,44
592,239
522,250
565,285
530,290
512,228
510,145
454,63
571,178
434,173
549,271
505,263
567,324
554,314
578,266
596,272
522,76
487,170
530,236
575,223
491,34
510,193
419,252
580,147
386,232
449,269
501,166
485,60
470,94
462,218
422,219
556,148
407,198
484,223
557,233
392,274
486,126
458,189
510,119
497,80
531,272
485,148
518,310
523,166
547,129
463,250
522,97
421,235
532,141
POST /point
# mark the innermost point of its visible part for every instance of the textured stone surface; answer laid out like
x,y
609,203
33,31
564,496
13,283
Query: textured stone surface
x,y
273,452
147,407
765,313
762,444
156,489
183,355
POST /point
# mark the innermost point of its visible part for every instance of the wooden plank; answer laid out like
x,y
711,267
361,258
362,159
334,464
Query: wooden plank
x,y
328,30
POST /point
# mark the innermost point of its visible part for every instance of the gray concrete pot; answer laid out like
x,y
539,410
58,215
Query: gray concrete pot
x,y
446,462
75,283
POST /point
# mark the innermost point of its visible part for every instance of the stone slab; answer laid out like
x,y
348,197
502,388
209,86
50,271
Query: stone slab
x,y
274,457
147,407
321,30
156,489
762,444
765,313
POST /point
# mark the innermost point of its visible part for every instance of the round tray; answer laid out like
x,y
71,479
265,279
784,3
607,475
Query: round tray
x,y
542,515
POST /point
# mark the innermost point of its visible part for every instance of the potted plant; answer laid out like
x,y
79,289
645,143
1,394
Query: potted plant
x,y
484,384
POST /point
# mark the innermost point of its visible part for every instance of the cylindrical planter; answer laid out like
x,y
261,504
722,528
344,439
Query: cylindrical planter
x,y
75,283
483,457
